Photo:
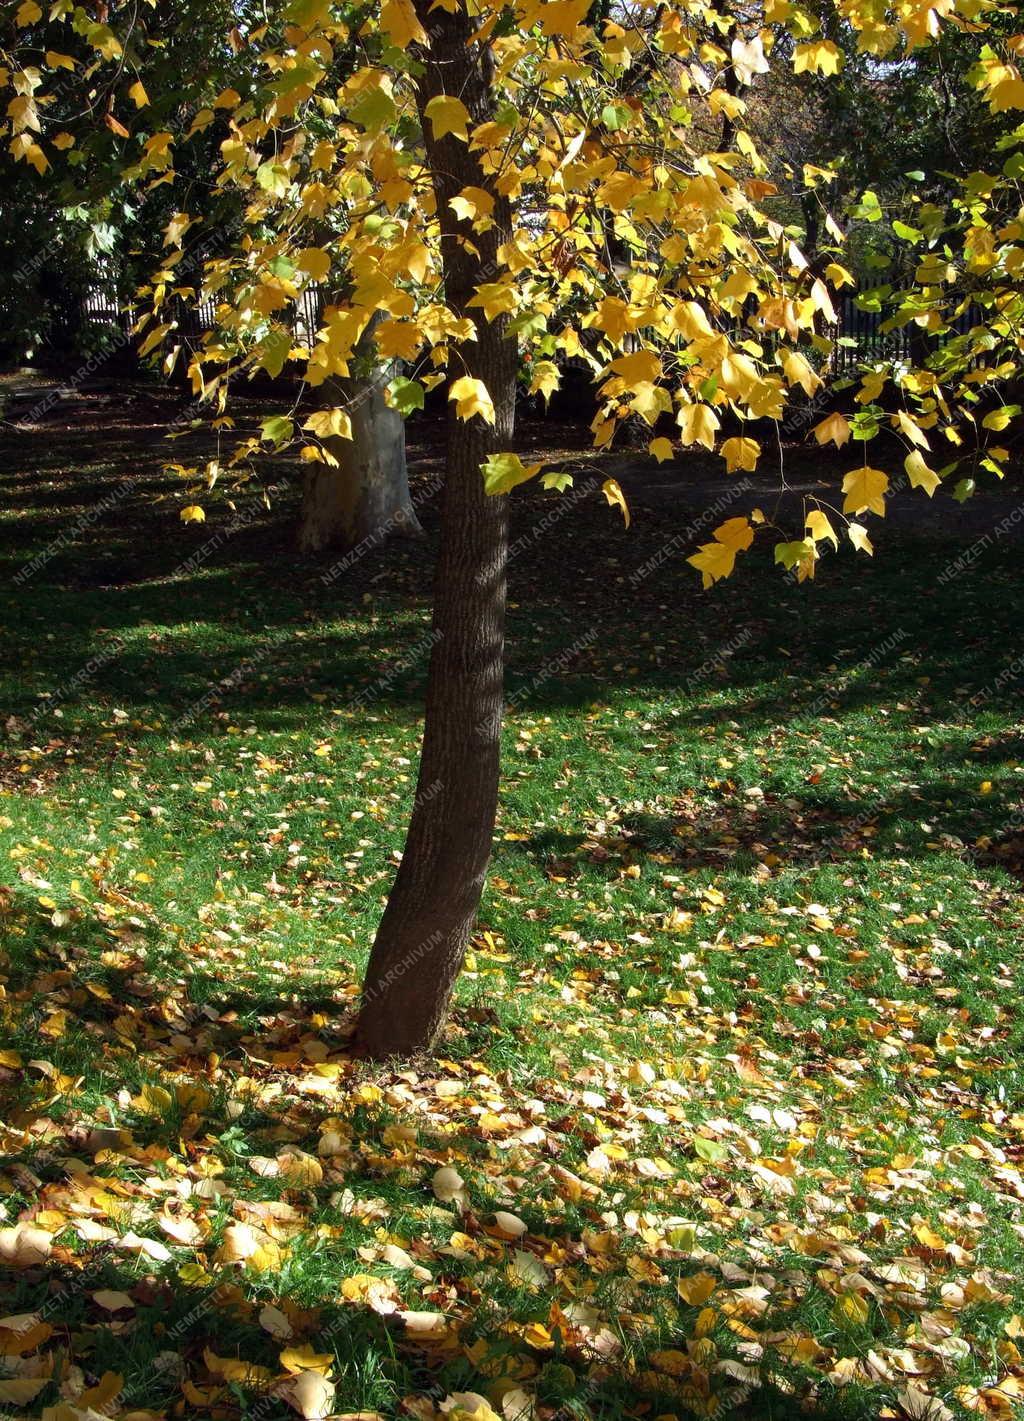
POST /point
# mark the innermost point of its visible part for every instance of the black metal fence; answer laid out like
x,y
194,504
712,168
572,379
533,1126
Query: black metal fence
x,y
858,336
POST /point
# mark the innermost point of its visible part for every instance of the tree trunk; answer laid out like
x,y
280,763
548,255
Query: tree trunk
x,y
366,498
430,913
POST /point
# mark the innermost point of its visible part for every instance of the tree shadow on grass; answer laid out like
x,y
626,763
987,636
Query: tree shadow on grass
x,y
800,829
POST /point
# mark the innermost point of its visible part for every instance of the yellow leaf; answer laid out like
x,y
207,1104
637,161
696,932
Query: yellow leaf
x,y
851,1308
799,372
304,1359
1007,95
920,1405
613,493
735,533
696,1289
504,472
448,1185
154,1099
865,489
398,19
137,93
925,1234
496,298
300,1169
661,449
717,560
112,1301
839,276
817,55
448,115
698,424
835,428
311,1396
23,147
748,58
249,1246
858,536
315,262
192,514
820,529
327,424
471,398
28,13
274,1321
472,202
919,473
740,453
234,1369
912,430
546,378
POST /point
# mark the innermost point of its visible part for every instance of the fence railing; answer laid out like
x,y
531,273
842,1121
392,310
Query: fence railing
x,y
193,319
858,336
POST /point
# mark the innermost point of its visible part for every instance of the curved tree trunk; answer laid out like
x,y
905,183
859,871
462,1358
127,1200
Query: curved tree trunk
x,y
430,913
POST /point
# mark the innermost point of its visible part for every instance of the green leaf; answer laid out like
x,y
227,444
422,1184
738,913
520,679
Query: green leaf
x,y
503,472
616,116
273,178
373,110
713,1151
528,324
276,429
790,554
272,352
405,395
685,1236
869,207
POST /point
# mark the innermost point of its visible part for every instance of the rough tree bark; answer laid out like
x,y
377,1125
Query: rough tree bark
x,y
423,934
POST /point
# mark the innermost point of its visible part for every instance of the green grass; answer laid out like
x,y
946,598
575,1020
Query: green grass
x,y
742,907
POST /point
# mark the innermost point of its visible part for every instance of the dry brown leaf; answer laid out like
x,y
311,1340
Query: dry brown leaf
x,y
24,1246
20,1391
311,1394
112,1300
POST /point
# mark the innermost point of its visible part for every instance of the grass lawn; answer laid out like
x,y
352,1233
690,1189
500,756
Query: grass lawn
x,y
737,1057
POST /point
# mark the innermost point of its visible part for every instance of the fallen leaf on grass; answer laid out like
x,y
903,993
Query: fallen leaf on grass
x,y
310,1394
24,1246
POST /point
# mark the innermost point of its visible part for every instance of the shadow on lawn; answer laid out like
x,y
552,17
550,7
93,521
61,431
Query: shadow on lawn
x,y
801,829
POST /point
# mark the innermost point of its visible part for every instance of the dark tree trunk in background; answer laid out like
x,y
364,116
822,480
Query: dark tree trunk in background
x,y
366,498
430,913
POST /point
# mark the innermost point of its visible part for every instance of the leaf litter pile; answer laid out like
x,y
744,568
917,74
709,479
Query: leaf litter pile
x,y
727,1118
